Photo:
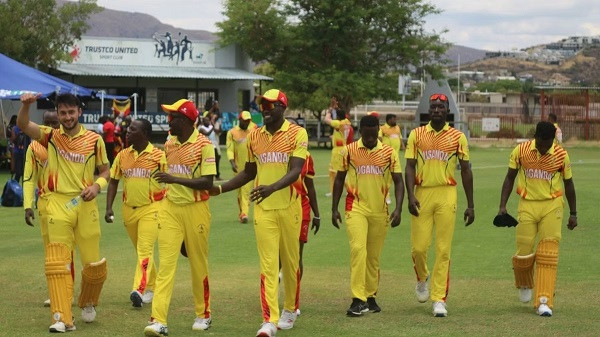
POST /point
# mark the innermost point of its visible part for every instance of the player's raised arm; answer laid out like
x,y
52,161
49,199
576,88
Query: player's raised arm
x,y
23,121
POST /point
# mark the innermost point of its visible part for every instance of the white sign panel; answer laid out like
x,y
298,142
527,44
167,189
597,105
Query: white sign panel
x,y
490,124
404,83
162,50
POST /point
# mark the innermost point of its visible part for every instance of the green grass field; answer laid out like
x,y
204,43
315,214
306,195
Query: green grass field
x,y
482,299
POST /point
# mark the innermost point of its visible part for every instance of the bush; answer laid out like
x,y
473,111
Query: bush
x,y
505,133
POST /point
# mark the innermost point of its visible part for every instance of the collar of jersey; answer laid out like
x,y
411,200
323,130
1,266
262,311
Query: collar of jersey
x,y
148,149
379,145
533,148
284,127
430,128
82,130
190,140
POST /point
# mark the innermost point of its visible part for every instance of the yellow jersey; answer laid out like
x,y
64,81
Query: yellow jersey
x,y
71,160
369,175
192,159
34,173
139,187
391,136
237,145
437,154
341,130
272,154
539,177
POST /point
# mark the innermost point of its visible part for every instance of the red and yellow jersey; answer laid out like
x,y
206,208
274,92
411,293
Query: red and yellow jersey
x,y
272,154
192,159
237,145
71,160
139,188
308,170
369,174
341,130
436,154
34,173
539,177
391,136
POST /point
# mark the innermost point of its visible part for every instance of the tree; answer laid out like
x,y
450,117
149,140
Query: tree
x,y
354,49
38,32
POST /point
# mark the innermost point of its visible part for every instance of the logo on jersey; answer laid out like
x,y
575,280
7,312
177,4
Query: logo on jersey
x,y
369,169
73,157
179,169
137,173
538,174
435,155
273,157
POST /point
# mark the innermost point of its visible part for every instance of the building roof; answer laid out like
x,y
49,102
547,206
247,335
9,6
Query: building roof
x,y
559,87
161,72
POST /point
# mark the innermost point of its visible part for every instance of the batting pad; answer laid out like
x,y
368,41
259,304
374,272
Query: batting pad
x,y
523,269
60,282
93,276
546,261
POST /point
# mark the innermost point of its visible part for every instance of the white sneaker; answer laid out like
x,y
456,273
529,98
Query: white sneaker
x,y
136,299
201,323
47,303
156,329
61,327
88,314
543,309
525,294
267,329
439,309
287,319
422,291
148,296
297,312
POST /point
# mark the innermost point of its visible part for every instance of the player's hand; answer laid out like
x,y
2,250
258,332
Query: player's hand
x,y
469,216
29,98
109,216
90,192
163,177
29,216
336,219
395,218
316,224
260,193
413,206
572,222
214,191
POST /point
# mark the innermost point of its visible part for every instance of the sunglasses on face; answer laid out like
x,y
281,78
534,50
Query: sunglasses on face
x,y
441,97
266,105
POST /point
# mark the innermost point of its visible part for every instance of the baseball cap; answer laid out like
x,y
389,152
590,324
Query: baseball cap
x,y
373,113
273,95
245,115
184,107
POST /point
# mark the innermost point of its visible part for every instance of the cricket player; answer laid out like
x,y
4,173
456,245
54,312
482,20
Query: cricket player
x,y
431,155
142,196
367,167
237,153
390,133
276,154
540,165
341,127
184,215
73,154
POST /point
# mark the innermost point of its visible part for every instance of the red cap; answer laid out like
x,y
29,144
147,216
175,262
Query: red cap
x,y
184,107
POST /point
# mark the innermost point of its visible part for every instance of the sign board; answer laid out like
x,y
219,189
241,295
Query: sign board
x,y
163,49
490,124
404,83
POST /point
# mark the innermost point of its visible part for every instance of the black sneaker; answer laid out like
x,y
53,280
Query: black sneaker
x,y
357,308
136,299
373,307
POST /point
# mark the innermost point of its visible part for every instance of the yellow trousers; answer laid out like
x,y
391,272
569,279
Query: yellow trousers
x,y
334,164
189,223
141,224
366,234
538,220
438,208
243,198
42,205
277,234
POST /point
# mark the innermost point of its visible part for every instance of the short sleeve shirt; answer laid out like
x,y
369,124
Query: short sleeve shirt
x,y
391,136
341,130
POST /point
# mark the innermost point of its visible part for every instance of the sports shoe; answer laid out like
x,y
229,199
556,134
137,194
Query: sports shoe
x,y
373,307
287,319
439,309
201,323
357,308
136,299
88,314
243,218
61,327
148,296
543,309
525,294
267,329
47,303
422,291
297,312
156,329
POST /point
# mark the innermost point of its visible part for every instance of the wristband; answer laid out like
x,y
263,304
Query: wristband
x,y
220,189
102,182
316,217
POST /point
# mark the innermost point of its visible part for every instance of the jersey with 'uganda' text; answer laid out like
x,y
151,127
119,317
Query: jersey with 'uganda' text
x,y
137,169
71,160
272,154
539,177
369,173
436,154
192,159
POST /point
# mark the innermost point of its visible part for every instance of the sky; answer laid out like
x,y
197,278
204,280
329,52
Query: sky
x,y
482,24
